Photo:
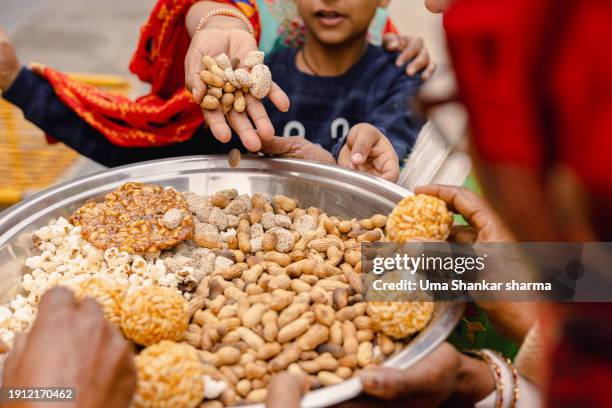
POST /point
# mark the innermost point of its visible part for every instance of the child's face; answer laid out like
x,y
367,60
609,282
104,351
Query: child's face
x,y
334,22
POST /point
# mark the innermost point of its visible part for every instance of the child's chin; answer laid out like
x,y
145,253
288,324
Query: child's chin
x,y
333,39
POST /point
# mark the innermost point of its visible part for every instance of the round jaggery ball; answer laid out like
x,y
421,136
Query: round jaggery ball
x,y
154,313
169,375
400,319
421,216
107,293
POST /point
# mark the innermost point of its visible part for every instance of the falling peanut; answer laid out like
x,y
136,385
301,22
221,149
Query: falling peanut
x,y
234,158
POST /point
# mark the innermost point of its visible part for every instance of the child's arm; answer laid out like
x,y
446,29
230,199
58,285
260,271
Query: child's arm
x,y
44,108
367,149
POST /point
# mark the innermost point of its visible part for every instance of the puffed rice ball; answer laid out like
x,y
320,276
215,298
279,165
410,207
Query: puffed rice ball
x,y
400,319
153,313
169,375
419,215
107,293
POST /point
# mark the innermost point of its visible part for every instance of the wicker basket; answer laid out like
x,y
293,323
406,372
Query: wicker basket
x,y
27,162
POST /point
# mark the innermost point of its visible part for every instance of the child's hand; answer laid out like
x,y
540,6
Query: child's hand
x,y
367,149
298,148
9,64
410,48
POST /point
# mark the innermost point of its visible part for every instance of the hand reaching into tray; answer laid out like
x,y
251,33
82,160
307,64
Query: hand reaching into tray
x,y
445,375
366,149
72,345
369,150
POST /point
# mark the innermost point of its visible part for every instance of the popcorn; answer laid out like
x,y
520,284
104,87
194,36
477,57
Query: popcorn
x,y
65,258
114,257
213,389
5,317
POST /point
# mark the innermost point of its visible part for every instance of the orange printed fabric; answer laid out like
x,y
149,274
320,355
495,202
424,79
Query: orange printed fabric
x,y
168,114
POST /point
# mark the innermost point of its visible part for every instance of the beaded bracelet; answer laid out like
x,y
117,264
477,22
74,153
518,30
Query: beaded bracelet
x,y
494,359
225,11
515,378
496,370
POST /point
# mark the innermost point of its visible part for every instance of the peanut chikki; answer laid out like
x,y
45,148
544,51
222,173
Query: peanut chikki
x,y
131,218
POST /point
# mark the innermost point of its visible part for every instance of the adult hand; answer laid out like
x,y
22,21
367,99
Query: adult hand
x,y
285,390
297,147
9,63
410,48
72,345
484,225
367,149
229,35
443,375
511,319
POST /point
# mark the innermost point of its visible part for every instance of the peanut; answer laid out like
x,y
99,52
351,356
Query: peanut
x,y
291,313
325,314
226,356
243,387
295,328
269,350
285,203
250,338
239,102
208,61
278,258
349,337
344,372
289,355
365,335
328,378
270,326
212,79
252,317
210,102
315,335
364,354
258,395
304,266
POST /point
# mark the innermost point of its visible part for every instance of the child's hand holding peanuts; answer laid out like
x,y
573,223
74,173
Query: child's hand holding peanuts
x,y
368,150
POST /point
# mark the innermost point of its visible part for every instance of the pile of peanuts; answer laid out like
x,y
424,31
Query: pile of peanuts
x,y
228,83
291,298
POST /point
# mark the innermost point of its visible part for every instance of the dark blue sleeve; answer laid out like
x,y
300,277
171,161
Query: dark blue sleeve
x,y
42,106
394,116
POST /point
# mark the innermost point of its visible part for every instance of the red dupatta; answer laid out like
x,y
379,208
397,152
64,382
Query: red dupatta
x,y
168,114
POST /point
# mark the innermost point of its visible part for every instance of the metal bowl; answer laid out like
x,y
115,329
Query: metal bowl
x,y
336,190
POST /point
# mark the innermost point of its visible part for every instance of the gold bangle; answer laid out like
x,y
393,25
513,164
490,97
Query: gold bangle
x,y
225,11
